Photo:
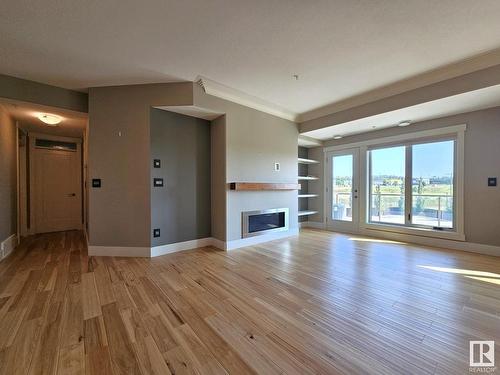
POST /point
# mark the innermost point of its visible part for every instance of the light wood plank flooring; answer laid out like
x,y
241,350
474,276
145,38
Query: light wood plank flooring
x,y
318,303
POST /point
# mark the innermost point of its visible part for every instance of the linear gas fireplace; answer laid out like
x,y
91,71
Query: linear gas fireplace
x,y
254,223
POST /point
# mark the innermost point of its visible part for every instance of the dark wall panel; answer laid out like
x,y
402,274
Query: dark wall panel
x,y
181,207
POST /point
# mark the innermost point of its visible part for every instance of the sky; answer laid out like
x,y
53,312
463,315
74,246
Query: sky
x,y
429,160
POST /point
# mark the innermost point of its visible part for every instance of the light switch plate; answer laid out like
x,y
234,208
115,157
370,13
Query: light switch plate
x,y
156,232
492,181
156,163
158,182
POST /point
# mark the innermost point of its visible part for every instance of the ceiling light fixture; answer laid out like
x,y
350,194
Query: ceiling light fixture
x,y
404,123
51,120
337,137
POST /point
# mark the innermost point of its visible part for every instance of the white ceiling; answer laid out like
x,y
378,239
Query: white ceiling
x,y
72,125
452,105
338,48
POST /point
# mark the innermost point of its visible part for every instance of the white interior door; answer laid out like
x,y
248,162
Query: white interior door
x,y
342,189
57,190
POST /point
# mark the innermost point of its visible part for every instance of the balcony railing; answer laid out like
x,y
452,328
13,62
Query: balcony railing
x,y
433,210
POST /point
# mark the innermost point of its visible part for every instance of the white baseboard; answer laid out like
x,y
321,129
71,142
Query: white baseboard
x,y
312,224
249,241
119,251
219,244
436,242
419,240
149,252
180,246
8,245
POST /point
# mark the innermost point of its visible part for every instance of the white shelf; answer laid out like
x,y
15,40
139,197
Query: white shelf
x,y
307,161
309,178
308,195
305,213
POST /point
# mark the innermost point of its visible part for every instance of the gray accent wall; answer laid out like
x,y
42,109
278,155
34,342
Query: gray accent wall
x,y
181,208
8,179
482,160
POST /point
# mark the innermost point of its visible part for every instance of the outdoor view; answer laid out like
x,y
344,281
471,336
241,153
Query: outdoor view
x,y
431,195
388,185
342,187
432,184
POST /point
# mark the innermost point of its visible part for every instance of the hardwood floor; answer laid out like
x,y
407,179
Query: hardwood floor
x,y
319,303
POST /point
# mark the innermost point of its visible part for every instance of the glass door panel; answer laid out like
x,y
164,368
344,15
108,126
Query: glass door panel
x,y
342,190
342,187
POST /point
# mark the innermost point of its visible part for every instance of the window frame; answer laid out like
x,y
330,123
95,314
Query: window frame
x,y
456,132
408,182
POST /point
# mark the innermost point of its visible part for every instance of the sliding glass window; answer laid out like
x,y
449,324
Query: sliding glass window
x,y
413,184
387,185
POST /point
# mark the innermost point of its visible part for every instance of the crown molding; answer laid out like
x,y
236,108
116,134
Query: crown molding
x,y
236,96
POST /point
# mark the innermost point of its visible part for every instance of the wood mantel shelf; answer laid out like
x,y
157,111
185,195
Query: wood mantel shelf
x,y
253,186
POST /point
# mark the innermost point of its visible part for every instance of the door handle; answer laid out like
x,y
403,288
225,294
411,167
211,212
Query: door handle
x,y
71,195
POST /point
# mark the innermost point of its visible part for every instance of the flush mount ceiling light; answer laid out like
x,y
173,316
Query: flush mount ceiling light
x,y
404,123
51,120
337,137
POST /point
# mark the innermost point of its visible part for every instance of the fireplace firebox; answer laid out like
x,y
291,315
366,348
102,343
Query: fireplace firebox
x,y
255,223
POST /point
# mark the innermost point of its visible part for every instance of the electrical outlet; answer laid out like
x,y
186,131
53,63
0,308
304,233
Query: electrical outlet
x,y
277,167
492,181
158,182
156,163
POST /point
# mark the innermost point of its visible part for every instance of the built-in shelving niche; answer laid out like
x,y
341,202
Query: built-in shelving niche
x,y
305,179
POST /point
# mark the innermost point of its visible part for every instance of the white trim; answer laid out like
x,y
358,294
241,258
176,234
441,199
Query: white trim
x,y
180,246
119,251
354,224
249,241
436,242
8,245
415,231
219,244
149,252
305,141
312,224
236,96
455,129
55,137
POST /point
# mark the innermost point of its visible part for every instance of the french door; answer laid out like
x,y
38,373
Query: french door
x,y
342,190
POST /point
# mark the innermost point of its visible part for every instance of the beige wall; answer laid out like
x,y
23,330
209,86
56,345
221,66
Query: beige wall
x,y
218,170
8,176
120,211
39,93
246,143
465,83
254,142
482,160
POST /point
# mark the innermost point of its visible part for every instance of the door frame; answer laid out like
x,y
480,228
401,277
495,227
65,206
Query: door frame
x,y
33,136
339,225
